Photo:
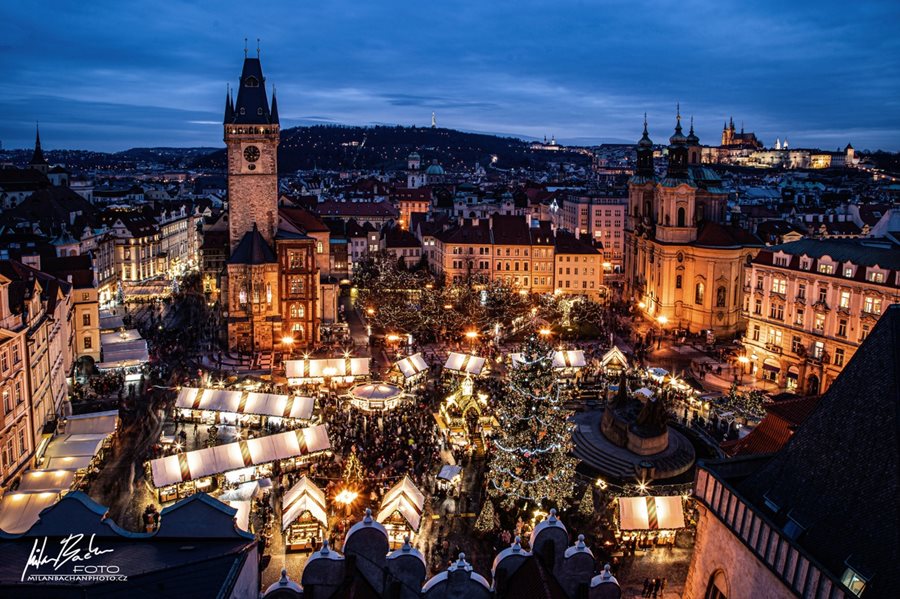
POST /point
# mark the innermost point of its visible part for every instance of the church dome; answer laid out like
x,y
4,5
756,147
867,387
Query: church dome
x,y
434,169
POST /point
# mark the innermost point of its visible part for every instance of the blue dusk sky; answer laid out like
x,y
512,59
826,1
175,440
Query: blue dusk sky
x,y
110,75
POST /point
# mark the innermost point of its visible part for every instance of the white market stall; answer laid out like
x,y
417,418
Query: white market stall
x,y
182,474
654,518
122,350
82,440
317,370
566,360
377,396
412,367
449,477
614,360
242,517
401,512
304,519
465,364
20,510
222,405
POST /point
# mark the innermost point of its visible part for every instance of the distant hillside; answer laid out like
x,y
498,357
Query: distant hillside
x,y
172,158
337,147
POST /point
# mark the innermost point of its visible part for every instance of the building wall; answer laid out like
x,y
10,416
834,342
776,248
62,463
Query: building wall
x,y
16,442
809,341
254,322
579,274
86,321
717,550
298,292
252,186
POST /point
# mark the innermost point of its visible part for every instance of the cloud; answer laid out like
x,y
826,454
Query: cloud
x,y
108,74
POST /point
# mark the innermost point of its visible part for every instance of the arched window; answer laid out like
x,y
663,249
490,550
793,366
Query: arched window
x,y
251,82
698,293
319,247
681,217
242,296
720,297
297,331
268,294
717,588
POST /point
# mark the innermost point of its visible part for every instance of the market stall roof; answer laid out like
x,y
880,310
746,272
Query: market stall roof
x,y
411,366
242,517
239,402
464,363
614,356
46,480
405,499
657,372
19,511
68,462
645,392
302,497
651,513
191,465
378,391
571,358
449,471
317,368
123,349
95,422
561,359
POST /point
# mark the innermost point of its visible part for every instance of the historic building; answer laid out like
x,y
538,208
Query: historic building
x,y
272,278
818,518
683,264
812,302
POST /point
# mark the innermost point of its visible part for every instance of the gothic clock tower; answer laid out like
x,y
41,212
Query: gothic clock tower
x,y
252,136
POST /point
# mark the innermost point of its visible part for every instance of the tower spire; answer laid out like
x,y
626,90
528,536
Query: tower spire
x,y
245,47
38,162
229,107
257,47
274,112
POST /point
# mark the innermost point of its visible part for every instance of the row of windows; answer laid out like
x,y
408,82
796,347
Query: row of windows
x,y
12,398
849,271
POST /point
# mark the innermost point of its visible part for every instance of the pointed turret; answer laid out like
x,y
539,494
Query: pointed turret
x,y
38,162
252,105
274,111
692,139
678,137
229,107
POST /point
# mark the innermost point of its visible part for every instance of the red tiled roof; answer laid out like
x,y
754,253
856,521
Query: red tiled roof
x,y
303,219
774,431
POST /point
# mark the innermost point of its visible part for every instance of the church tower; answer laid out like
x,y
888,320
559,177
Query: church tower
x,y
252,137
38,162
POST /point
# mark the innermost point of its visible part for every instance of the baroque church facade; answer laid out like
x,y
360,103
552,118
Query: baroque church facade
x,y
683,262
271,282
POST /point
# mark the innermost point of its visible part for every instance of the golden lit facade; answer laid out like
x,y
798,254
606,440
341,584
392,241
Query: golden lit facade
x,y
683,266
811,303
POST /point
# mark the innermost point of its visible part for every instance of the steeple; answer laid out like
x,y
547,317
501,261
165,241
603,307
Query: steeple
x,y
229,106
645,154
692,139
38,162
274,111
252,106
678,151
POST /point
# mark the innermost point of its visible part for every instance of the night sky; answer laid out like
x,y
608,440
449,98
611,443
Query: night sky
x,y
109,75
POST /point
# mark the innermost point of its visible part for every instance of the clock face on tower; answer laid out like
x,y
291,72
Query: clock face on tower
x,y
251,153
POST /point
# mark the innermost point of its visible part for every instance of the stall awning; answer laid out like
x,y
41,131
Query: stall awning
x,y
411,366
242,517
238,402
561,359
93,423
120,350
614,357
645,392
305,496
651,513
191,465
464,363
449,471
319,368
19,511
405,499
659,373
46,480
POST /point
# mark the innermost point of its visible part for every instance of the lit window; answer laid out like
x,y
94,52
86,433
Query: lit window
x,y
854,581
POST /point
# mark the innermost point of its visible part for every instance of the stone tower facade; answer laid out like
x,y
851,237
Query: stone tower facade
x,y
252,136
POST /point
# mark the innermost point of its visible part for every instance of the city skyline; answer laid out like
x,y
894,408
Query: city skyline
x,y
107,79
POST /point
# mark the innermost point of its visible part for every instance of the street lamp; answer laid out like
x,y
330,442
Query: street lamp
x,y
544,332
743,360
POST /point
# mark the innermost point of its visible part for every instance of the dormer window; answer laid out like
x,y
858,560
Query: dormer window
x,y
854,581
242,110
805,263
826,269
251,82
849,271
259,111
793,528
874,276
771,504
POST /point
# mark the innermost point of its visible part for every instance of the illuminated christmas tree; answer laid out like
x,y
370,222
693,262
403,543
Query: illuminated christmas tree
x,y
353,470
586,506
530,460
485,521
